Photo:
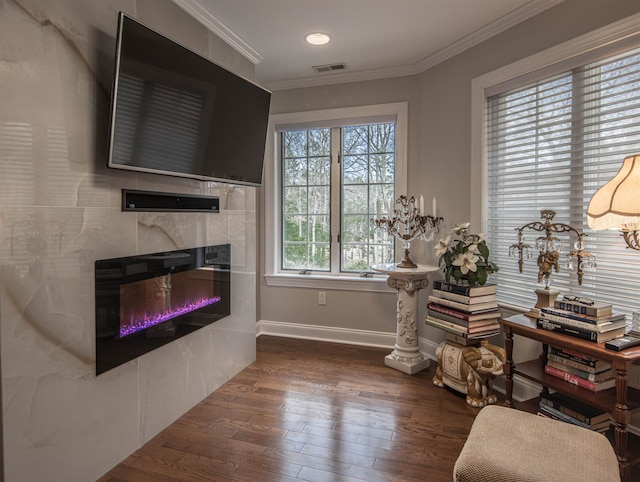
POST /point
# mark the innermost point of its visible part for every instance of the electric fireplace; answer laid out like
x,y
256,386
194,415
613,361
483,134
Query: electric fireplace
x,y
146,301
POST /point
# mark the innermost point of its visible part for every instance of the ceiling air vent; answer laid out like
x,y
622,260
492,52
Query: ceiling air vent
x,y
329,67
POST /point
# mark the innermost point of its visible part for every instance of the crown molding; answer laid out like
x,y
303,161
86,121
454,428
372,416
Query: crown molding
x,y
206,18
504,23
341,78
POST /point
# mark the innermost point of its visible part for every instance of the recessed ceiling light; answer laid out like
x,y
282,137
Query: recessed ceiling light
x,y
317,38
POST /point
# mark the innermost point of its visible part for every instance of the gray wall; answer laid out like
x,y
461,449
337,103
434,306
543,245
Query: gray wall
x,y
60,211
439,148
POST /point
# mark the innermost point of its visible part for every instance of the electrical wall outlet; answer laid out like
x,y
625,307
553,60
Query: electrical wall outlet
x,y
322,298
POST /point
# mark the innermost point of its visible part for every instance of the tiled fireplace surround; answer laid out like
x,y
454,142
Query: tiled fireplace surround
x,y
60,212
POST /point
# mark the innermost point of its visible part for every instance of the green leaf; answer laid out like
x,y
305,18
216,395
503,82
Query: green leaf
x,y
484,250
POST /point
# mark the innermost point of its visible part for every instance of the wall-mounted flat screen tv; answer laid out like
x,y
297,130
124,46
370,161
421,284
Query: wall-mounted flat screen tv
x,y
177,113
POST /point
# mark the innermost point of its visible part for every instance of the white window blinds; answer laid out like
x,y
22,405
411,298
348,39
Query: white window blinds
x,y
550,145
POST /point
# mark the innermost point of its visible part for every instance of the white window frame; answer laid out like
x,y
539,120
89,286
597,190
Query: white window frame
x,y
621,35
274,276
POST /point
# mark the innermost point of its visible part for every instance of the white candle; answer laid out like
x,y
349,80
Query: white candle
x,y
434,208
421,204
377,209
390,209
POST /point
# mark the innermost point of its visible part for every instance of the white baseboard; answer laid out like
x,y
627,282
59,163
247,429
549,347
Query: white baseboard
x,y
377,339
332,334
523,389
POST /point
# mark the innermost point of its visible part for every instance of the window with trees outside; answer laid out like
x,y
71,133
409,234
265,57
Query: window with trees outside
x,y
551,143
366,161
336,170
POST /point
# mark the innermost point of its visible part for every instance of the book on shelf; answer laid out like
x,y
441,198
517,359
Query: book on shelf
x,y
465,290
584,318
576,365
586,362
601,327
470,300
462,315
594,308
594,377
467,308
472,328
581,382
461,340
593,336
461,331
558,415
575,409
464,323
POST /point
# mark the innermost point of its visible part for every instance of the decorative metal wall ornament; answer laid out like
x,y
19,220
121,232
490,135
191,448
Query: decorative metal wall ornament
x,y
406,223
549,249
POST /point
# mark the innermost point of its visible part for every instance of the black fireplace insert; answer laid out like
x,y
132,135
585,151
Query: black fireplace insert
x,y
146,301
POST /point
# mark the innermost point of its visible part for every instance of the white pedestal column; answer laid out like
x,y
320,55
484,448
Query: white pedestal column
x,y
406,355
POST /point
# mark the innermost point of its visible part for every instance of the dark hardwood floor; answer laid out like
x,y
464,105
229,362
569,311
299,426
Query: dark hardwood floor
x,y
311,411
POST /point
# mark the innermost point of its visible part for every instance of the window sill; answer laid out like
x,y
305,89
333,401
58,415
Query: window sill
x,y
377,284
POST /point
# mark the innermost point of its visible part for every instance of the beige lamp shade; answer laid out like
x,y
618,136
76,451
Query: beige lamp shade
x,y
616,205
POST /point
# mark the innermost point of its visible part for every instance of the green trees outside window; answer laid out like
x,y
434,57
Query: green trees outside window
x,y
364,177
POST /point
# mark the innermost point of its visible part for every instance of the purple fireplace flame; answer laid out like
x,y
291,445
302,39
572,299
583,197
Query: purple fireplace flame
x,y
146,321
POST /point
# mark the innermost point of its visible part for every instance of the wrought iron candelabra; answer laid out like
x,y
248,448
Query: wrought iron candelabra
x,y
549,249
406,223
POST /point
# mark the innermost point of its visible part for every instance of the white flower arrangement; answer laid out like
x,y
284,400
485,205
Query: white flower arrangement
x,y
465,257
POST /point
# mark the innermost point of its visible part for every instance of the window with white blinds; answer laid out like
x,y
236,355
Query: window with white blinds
x,y
550,145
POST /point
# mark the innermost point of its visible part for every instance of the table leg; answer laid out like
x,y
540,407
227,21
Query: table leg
x,y
508,368
621,417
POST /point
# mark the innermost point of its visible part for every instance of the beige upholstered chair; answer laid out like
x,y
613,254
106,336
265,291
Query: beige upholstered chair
x,y
505,444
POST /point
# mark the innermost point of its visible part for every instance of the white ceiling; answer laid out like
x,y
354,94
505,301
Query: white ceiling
x,y
374,38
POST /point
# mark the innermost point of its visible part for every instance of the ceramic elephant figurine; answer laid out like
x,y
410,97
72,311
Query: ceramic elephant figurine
x,y
470,370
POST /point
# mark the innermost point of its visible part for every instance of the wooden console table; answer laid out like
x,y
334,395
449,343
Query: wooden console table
x,y
619,401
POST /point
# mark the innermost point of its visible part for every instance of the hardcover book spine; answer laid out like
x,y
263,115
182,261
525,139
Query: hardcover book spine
x,y
594,377
481,307
448,311
561,415
459,331
582,309
573,379
445,317
448,295
570,411
567,411
464,290
568,321
577,357
567,330
570,315
444,286
571,363
452,325
461,340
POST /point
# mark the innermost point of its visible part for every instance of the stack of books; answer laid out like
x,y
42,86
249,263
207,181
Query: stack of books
x,y
594,322
566,409
465,311
580,369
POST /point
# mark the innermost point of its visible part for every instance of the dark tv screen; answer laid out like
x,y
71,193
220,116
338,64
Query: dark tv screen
x,y
175,112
